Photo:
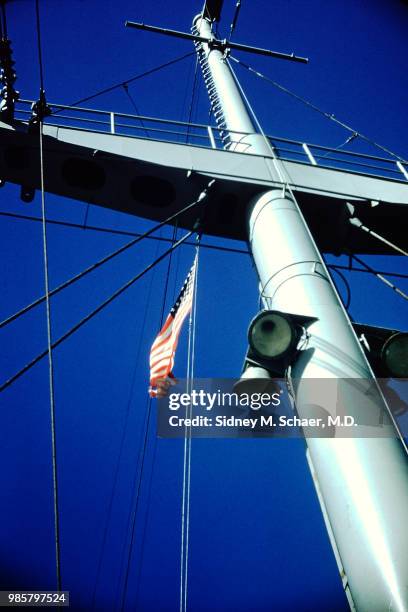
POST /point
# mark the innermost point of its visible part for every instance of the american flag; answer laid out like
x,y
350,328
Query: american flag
x,y
164,347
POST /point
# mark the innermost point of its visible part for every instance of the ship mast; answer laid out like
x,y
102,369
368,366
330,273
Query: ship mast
x,y
362,482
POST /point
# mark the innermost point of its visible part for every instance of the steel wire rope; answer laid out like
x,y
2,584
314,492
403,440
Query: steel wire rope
x,y
306,102
3,29
188,446
149,493
186,456
51,377
40,60
347,301
184,495
163,239
133,103
380,277
117,232
93,313
126,82
188,127
3,18
176,269
139,472
190,111
193,92
189,119
86,215
184,105
340,146
49,351
355,222
123,436
234,19
188,357
102,261
149,486
371,271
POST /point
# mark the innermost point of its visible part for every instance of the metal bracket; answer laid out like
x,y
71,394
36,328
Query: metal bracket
x,y
39,110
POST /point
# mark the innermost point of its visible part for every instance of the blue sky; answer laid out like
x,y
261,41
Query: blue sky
x,y
257,536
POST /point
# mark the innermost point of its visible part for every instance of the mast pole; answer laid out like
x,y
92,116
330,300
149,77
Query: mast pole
x,y
362,483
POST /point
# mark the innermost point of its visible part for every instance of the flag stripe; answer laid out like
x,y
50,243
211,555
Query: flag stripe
x,y
170,342
163,349
168,347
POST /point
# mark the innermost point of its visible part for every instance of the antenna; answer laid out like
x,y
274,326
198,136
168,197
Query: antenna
x,y
8,74
213,42
235,18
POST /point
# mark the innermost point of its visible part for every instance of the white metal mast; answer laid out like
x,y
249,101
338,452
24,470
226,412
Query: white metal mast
x,y
362,482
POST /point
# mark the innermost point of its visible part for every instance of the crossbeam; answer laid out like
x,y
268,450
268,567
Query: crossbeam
x,y
218,43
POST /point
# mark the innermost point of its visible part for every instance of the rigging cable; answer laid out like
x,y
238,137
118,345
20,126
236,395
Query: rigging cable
x,y
127,81
347,301
122,439
137,486
107,230
193,92
194,88
86,215
95,228
285,182
330,116
235,18
355,221
177,263
381,277
154,448
3,20
51,373
133,103
371,271
340,146
186,90
149,486
155,444
105,259
186,489
40,61
94,312
48,314
154,453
